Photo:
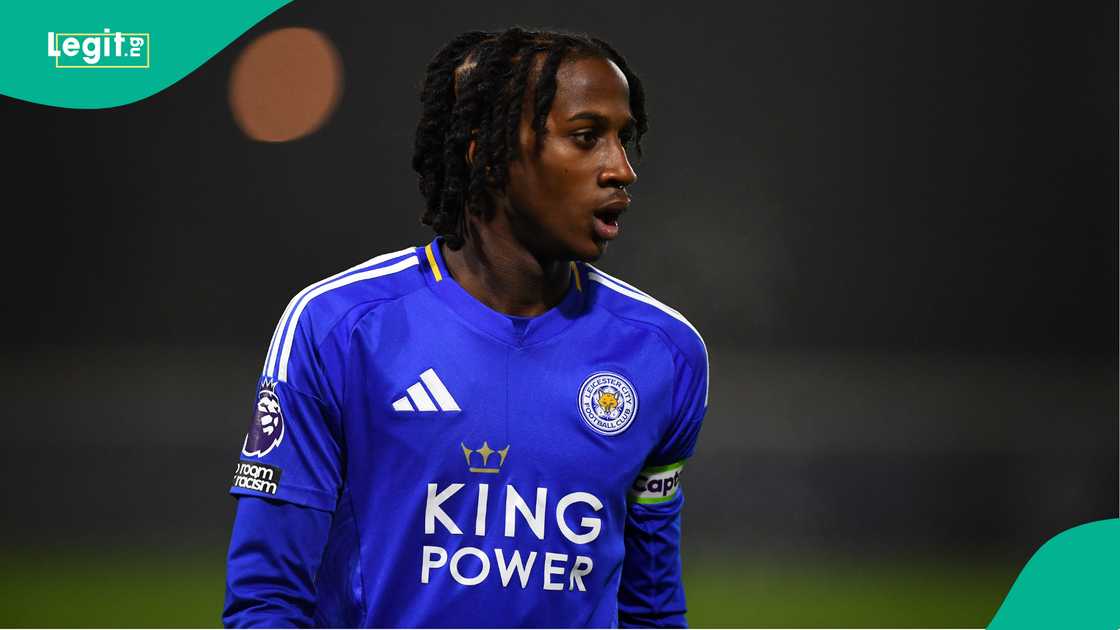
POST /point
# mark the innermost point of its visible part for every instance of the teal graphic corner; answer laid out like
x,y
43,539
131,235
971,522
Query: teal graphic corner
x,y
1072,581
168,41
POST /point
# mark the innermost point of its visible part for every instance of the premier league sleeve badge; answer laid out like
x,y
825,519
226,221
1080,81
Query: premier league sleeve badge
x,y
266,431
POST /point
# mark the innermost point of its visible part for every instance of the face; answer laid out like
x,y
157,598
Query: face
x,y
564,202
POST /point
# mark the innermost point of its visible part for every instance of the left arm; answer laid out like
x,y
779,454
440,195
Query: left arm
x,y
651,593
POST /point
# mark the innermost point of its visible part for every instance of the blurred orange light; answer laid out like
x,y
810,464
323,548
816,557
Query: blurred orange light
x,y
285,84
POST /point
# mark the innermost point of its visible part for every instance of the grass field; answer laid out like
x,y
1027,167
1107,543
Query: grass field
x,y
133,589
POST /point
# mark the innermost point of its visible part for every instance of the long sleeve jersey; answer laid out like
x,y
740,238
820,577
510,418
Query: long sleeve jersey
x,y
418,459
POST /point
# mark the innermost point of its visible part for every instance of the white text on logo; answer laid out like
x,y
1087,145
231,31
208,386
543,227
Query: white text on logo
x,y
535,517
100,50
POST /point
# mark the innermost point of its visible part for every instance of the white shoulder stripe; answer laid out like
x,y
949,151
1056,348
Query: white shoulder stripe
x,y
622,283
289,337
616,286
274,345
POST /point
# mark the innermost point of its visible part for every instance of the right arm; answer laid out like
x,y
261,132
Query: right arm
x,y
274,556
287,481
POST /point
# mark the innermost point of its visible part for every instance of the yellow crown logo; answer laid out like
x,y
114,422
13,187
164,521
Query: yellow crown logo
x,y
485,451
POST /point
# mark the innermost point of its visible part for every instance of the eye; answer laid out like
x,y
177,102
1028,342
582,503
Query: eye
x,y
586,138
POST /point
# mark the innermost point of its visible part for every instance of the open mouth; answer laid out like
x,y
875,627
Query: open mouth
x,y
610,217
606,223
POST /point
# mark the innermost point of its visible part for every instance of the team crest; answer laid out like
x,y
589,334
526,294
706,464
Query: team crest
x,y
608,403
267,428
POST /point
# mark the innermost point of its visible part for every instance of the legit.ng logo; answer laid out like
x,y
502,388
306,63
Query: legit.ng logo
x,y
100,50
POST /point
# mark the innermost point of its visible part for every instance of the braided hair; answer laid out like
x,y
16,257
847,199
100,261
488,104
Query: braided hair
x,y
475,89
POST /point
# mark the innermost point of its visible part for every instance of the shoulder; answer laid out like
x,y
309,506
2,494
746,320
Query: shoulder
x,y
630,303
315,311
381,278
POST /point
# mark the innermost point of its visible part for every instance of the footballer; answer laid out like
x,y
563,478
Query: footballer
x,y
485,430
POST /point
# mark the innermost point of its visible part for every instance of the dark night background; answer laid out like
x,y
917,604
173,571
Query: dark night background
x,y
895,225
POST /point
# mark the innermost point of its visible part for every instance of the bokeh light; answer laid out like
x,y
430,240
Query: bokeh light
x,y
285,84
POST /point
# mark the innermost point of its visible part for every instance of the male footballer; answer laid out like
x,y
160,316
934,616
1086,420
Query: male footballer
x,y
485,430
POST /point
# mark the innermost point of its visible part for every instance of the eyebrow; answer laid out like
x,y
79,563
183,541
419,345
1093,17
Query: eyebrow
x,y
601,119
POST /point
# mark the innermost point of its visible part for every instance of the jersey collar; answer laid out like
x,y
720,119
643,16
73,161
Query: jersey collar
x,y
515,331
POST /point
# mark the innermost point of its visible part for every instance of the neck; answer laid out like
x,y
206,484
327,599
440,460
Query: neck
x,y
499,271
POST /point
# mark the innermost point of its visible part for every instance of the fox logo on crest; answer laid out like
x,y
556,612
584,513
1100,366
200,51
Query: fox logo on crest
x,y
608,402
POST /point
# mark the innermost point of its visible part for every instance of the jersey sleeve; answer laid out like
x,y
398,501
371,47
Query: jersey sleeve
x,y
690,403
651,591
293,448
274,555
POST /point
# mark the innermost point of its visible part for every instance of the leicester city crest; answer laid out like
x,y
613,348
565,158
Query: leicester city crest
x,y
267,428
608,403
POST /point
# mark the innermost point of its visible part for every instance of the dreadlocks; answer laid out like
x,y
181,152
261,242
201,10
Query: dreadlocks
x,y
474,89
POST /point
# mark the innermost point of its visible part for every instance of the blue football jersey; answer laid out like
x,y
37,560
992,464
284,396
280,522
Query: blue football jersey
x,y
480,467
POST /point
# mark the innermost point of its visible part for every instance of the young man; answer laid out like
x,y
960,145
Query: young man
x,y
485,430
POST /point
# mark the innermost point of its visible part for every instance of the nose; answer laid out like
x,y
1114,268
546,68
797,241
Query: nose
x,y
618,172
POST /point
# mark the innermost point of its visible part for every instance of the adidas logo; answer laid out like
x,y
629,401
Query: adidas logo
x,y
419,397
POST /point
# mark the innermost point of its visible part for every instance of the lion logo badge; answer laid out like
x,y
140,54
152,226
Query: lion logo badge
x,y
608,403
266,431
